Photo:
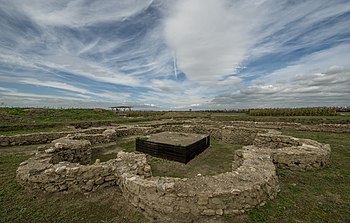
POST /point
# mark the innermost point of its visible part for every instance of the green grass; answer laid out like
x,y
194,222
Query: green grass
x,y
29,131
311,196
215,159
19,205
30,120
109,151
343,118
40,115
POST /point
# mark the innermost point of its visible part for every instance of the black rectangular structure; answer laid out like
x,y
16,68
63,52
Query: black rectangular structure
x,y
177,152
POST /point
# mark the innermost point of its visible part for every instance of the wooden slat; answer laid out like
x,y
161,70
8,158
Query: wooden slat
x,y
173,152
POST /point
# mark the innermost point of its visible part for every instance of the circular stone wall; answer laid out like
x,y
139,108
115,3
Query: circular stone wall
x,y
251,183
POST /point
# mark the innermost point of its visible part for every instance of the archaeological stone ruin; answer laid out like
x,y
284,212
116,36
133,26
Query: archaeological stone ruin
x,y
65,165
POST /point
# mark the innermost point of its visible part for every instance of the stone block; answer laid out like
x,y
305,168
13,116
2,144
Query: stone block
x,y
209,212
203,199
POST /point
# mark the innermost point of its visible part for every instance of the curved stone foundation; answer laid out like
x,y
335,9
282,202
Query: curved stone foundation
x,y
292,153
250,184
45,172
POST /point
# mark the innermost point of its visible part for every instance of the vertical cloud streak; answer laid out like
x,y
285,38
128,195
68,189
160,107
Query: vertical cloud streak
x,y
209,40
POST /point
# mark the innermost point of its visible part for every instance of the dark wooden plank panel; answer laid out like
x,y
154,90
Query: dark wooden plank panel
x,y
173,152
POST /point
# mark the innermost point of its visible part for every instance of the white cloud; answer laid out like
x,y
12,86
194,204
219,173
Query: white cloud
x,y
208,37
329,87
81,12
54,84
231,81
11,92
89,69
312,63
66,45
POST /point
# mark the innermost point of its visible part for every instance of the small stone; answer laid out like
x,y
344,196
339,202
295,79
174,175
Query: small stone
x,y
147,168
252,169
97,161
49,171
63,187
99,181
74,169
208,212
60,169
182,195
203,199
89,185
169,187
5,143
51,188
216,201
236,212
191,193
109,131
23,163
109,178
219,212
50,150
160,187
58,145
47,160
35,171
235,191
184,210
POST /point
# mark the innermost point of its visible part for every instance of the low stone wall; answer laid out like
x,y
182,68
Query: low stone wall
x,y
239,135
65,149
44,173
230,131
31,139
250,184
94,135
41,138
293,153
163,198
190,199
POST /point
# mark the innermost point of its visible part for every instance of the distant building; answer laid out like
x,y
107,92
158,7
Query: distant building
x,y
121,108
342,108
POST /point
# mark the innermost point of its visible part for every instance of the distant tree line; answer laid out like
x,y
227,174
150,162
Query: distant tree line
x,y
316,111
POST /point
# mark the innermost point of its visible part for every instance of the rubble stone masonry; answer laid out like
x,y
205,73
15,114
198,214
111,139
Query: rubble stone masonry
x,y
63,166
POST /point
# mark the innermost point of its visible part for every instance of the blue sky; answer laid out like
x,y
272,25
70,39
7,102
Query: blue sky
x,y
175,54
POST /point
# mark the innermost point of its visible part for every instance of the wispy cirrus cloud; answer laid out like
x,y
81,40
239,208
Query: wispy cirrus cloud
x,y
81,13
175,54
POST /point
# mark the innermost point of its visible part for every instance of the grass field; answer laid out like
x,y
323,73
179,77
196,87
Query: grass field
x,y
341,118
27,120
311,196
214,160
12,116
